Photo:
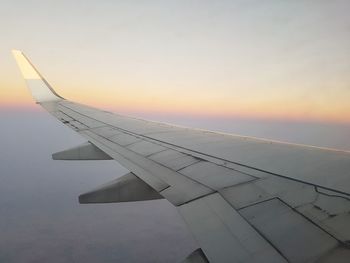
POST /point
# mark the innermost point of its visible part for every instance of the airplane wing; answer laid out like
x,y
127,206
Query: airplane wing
x,y
244,199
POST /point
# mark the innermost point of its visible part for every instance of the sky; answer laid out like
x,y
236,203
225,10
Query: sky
x,y
270,59
270,69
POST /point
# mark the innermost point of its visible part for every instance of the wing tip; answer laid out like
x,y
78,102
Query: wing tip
x,y
39,87
27,69
16,51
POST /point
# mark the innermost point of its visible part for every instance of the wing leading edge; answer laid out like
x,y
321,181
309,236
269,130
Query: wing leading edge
x,y
244,199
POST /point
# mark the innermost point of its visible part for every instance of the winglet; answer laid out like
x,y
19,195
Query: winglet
x,y
38,86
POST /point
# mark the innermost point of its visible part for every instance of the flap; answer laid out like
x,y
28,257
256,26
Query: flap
x,y
86,151
197,256
127,188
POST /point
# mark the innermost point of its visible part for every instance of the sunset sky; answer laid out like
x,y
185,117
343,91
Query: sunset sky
x,y
260,59
271,69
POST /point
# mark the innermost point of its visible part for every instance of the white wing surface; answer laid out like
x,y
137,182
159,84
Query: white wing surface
x,y
244,199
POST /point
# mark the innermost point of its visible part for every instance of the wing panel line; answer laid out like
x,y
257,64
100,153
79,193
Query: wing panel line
x,y
211,156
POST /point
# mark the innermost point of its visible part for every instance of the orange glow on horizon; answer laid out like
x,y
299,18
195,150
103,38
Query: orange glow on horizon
x,y
205,107
124,108
202,106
